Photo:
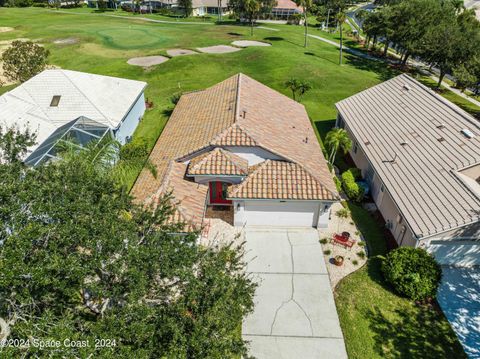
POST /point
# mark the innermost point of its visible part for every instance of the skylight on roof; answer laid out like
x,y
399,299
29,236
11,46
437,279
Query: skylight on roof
x,y
55,101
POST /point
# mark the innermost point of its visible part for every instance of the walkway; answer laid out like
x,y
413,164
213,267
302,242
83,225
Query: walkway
x,y
295,314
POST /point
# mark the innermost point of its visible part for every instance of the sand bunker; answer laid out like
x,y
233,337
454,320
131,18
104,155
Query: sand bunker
x,y
180,52
247,43
147,61
67,41
218,49
6,29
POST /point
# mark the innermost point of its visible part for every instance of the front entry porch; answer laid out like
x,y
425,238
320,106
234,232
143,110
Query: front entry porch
x,y
224,213
218,193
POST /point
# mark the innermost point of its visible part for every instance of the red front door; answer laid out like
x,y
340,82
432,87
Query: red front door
x,y
218,193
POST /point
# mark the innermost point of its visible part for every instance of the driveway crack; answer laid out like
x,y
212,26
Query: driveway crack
x,y
292,293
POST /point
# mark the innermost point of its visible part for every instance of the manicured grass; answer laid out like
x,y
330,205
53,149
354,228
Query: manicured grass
x,y
376,322
106,43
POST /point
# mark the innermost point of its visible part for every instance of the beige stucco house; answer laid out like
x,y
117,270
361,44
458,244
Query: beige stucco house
x,y
420,155
242,148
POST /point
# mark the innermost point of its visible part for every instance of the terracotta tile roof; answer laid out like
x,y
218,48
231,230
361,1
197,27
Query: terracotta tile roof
x,y
234,136
236,112
197,118
189,198
218,162
280,180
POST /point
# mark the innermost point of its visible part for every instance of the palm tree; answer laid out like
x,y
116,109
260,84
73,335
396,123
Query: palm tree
x,y
337,139
306,5
298,86
341,17
304,88
252,9
294,85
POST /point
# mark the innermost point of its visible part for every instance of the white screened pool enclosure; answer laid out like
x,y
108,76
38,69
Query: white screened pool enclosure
x,y
79,133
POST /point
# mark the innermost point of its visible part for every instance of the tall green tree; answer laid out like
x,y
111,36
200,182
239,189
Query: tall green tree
x,y
186,6
80,261
23,60
298,87
337,139
341,17
251,10
306,6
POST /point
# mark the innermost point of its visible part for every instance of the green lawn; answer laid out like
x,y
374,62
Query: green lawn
x,y
376,322
106,43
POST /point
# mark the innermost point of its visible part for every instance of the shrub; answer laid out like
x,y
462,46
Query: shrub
x,y
351,188
413,272
324,241
338,183
361,254
356,173
327,252
175,98
343,213
355,262
137,149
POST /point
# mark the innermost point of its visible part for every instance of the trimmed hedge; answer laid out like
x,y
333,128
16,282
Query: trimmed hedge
x,y
413,272
350,187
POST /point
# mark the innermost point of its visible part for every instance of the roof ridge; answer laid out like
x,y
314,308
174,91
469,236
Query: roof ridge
x,y
237,98
88,98
440,98
231,157
205,158
260,166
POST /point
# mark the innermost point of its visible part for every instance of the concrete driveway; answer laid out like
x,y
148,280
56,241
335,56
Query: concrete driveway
x,y
459,297
295,314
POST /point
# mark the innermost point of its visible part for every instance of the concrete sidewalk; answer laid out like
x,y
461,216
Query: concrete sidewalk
x,y
295,314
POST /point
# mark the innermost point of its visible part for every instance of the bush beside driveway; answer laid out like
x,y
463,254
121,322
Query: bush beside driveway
x,y
376,322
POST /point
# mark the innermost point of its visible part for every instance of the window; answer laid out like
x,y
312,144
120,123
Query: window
x,y
355,147
382,188
55,101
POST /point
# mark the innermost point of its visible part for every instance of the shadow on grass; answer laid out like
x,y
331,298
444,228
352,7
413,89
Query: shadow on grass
x,y
309,53
324,126
167,112
413,333
384,72
273,38
234,34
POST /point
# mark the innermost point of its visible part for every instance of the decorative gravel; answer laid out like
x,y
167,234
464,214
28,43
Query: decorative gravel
x,y
147,61
218,49
180,52
248,43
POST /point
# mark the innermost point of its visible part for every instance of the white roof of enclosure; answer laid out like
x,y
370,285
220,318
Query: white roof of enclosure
x,y
55,98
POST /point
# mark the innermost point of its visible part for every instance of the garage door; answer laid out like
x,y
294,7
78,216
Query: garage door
x,y
457,253
296,214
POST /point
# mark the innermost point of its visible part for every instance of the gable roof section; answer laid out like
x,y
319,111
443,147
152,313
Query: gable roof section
x,y
238,111
198,117
404,120
273,179
218,162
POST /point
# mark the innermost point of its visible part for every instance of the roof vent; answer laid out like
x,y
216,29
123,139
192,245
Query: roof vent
x,y
440,139
406,87
55,101
467,133
367,143
404,143
441,126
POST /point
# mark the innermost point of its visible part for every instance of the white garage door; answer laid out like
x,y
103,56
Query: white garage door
x,y
273,213
457,253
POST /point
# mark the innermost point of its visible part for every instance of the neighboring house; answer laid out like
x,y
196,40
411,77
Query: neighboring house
x,y
209,7
75,106
244,147
420,155
285,9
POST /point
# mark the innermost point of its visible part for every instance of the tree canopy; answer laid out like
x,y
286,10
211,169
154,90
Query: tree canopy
x,y
23,60
441,33
79,260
